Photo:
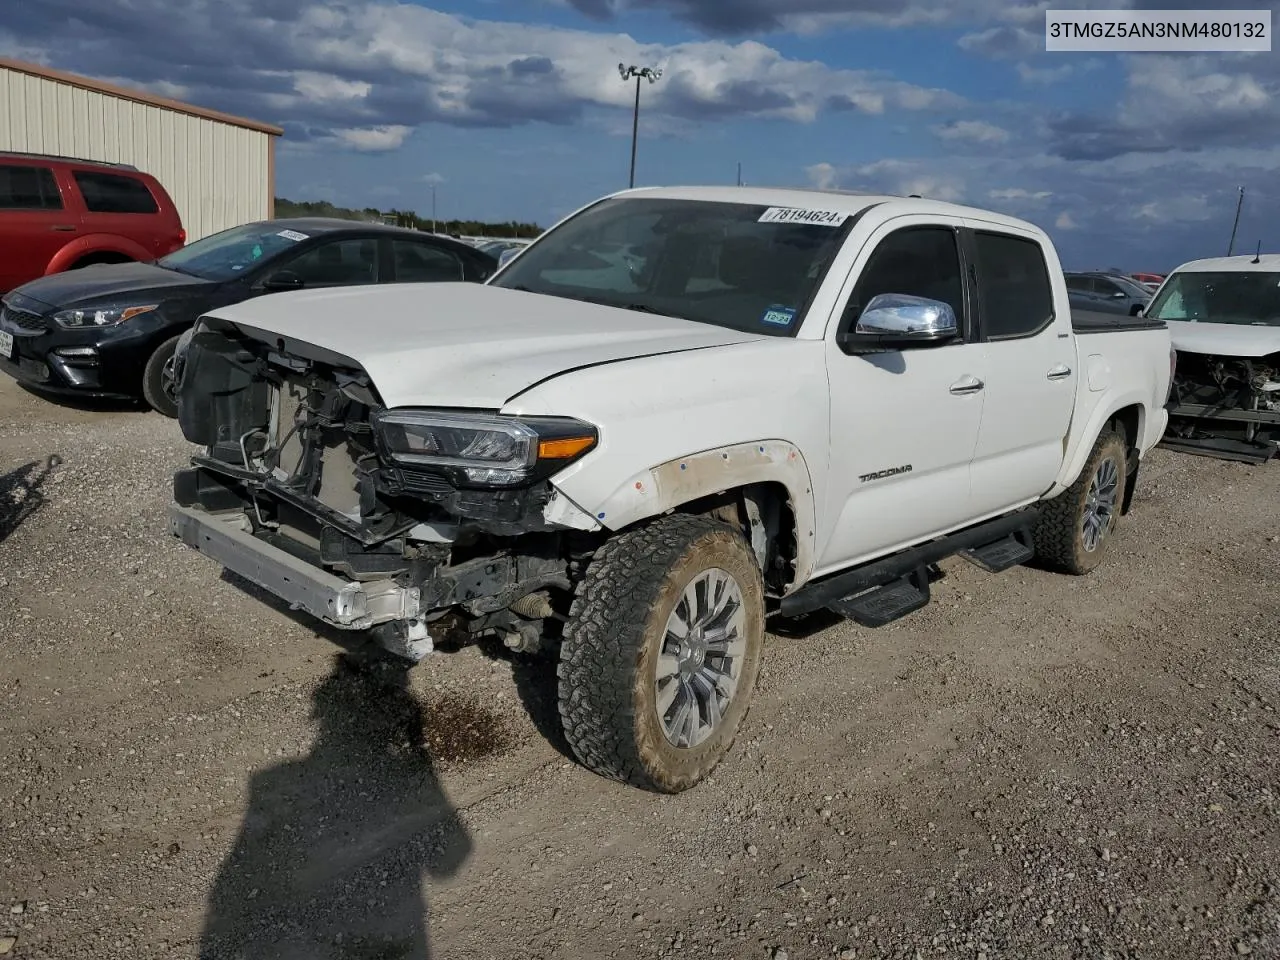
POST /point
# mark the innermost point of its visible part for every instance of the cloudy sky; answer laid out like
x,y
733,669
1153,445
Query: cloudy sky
x,y
513,109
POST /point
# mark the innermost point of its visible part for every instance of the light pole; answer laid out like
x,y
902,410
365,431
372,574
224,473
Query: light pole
x,y
652,74
433,208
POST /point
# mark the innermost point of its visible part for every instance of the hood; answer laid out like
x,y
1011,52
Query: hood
x,y
106,281
466,344
1224,339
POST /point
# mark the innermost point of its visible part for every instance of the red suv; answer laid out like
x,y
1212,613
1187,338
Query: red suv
x,y
57,214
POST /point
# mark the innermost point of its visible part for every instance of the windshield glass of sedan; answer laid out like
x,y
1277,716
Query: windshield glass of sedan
x,y
228,254
743,266
1244,297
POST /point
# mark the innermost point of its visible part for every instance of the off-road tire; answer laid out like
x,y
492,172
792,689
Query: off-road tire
x,y
1059,533
153,379
617,623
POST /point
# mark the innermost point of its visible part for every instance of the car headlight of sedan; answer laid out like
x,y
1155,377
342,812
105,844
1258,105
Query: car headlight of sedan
x,y
77,319
482,450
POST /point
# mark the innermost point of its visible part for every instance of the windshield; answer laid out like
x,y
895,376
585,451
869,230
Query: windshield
x,y
229,254
1245,297
743,266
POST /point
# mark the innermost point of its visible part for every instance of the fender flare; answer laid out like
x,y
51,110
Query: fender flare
x,y
1088,436
93,243
669,485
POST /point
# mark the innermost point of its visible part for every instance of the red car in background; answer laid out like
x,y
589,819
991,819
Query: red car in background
x,y
1149,280
57,213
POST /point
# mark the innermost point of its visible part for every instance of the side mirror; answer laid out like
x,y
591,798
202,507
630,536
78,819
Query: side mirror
x,y
1118,295
283,280
894,320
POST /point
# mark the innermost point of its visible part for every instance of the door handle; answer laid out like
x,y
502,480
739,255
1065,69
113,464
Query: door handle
x,y
1060,372
967,385
63,228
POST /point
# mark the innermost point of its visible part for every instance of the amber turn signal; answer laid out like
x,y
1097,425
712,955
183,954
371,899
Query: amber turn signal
x,y
563,447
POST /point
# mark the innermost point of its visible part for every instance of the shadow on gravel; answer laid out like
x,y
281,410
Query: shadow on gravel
x,y
21,493
330,859
534,677
802,628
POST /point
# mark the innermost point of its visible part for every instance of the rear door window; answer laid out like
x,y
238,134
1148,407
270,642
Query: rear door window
x,y
1015,297
111,193
424,263
28,188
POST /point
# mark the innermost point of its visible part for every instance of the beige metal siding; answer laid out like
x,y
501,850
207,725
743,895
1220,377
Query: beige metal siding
x,y
219,175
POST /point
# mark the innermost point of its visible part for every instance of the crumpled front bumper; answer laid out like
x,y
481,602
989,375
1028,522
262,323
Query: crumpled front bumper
x,y
346,604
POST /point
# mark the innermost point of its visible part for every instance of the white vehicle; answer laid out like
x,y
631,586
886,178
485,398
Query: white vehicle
x,y
1224,317
776,402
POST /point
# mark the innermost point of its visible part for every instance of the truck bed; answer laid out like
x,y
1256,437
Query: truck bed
x,y
1088,321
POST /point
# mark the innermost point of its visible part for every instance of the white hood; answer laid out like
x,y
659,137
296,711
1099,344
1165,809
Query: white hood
x,y
465,344
1224,339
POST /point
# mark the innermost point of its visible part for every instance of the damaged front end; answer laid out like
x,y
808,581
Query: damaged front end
x,y
1225,407
414,524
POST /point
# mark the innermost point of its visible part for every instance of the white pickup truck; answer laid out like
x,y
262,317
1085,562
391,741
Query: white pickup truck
x,y
678,412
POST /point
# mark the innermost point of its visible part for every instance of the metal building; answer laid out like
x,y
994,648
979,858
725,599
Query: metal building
x,y
219,169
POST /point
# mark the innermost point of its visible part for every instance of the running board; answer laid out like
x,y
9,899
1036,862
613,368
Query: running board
x,y
883,605
848,585
1001,555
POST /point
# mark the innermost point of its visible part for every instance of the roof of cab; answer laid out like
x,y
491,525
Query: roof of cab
x,y
1266,263
846,201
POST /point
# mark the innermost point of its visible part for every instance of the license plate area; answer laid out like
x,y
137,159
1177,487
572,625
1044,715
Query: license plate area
x,y
6,345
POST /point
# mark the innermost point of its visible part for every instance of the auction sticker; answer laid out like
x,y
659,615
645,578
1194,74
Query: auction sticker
x,y
817,218
293,235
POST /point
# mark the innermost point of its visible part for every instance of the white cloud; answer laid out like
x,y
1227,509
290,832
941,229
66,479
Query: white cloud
x,y
374,139
433,178
1045,75
824,176
973,131
1016,194
370,67
1177,209
1065,221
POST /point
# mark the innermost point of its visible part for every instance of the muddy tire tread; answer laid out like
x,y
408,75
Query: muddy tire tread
x,y
603,640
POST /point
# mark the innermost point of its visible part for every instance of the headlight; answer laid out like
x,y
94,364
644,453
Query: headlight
x,y
100,316
482,450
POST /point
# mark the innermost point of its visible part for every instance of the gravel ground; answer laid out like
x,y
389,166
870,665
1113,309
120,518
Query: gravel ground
x,y
1033,766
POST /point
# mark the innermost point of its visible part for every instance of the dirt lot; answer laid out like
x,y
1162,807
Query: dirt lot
x,y
1033,766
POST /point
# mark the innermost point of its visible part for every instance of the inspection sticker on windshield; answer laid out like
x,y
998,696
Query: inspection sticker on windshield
x,y
818,218
779,316
292,235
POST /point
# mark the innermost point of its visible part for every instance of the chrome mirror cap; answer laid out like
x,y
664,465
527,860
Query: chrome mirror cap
x,y
901,316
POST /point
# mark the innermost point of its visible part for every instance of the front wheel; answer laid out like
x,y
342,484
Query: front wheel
x,y
1075,527
159,386
660,655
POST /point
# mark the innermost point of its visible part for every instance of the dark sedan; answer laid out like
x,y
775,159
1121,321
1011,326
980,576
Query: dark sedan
x,y
111,330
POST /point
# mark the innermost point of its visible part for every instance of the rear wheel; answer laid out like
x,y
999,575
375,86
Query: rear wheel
x,y
159,386
1075,527
660,655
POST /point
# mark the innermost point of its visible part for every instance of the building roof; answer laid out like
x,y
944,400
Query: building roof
x,y
137,96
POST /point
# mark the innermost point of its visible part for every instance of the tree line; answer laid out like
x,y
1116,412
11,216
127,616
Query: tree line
x,y
405,218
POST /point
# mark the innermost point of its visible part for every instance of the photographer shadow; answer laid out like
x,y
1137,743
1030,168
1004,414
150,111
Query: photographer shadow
x,y
331,857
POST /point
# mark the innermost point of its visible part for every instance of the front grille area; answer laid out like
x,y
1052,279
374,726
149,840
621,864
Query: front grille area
x,y
23,319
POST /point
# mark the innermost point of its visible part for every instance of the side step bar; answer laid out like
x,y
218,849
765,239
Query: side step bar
x,y
899,584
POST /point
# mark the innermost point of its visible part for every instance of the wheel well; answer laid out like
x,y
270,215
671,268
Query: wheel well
x,y
104,256
1128,421
765,514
